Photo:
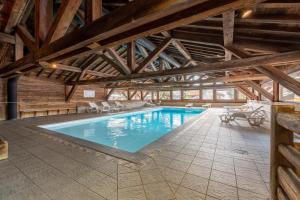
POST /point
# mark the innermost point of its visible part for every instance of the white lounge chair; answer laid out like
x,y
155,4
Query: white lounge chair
x,y
255,117
150,103
107,108
120,105
189,105
207,105
244,107
94,107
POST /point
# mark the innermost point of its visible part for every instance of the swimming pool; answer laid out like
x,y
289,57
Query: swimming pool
x,y
129,132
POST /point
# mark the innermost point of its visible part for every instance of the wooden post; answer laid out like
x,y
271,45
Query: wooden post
x,y
279,135
275,91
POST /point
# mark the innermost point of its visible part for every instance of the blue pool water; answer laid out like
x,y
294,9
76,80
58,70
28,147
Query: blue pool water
x,y
128,132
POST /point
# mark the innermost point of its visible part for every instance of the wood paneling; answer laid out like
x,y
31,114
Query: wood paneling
x,y
40,94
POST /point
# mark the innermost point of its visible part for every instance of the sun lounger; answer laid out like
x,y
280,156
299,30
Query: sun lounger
x,y
255,117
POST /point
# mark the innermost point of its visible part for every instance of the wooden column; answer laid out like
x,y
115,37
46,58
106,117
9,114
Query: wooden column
x,y
279,135
275,91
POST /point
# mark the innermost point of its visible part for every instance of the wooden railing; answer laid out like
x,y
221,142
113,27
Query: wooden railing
x,y
285,154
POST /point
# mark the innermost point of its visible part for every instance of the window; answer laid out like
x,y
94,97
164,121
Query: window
x,y
154,95
136,96
164,95
241,96
191,94
118,95
176,95
207,94
287,95
225,94
147,96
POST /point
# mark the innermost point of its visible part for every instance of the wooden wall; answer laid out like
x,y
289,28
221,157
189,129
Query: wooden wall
x,y
32,90
2,99
36,94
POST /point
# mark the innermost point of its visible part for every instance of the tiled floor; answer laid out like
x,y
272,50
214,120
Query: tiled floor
x,y
207,160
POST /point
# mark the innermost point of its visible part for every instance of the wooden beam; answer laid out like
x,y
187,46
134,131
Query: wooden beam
x,y
259,89
73,69
15,15
7,38
19,47
131,61
274,73
180,47
46,18
26,37
119,60
93,10
153,55
109,93
132,95
37,23
228,30
276,59
247,92
116,66
280,77
236,78
225,85
63,19
276,91
119,28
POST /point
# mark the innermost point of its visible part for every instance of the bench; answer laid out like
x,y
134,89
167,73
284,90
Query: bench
x,y
3,149
35,110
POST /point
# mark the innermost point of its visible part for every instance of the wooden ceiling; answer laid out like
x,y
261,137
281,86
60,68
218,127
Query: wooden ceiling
x,y
140,44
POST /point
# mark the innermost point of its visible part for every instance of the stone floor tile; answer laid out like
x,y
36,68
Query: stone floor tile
x,y
151,176
169,154
222,191
132,193
198,170
172,175
251,185
158,191
247,195
179,165
248,173
162,161
203,162
195,183
187,194
223,167
184,158
129,180
223,177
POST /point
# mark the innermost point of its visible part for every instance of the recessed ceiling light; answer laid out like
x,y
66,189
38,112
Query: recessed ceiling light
x,y
54,65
